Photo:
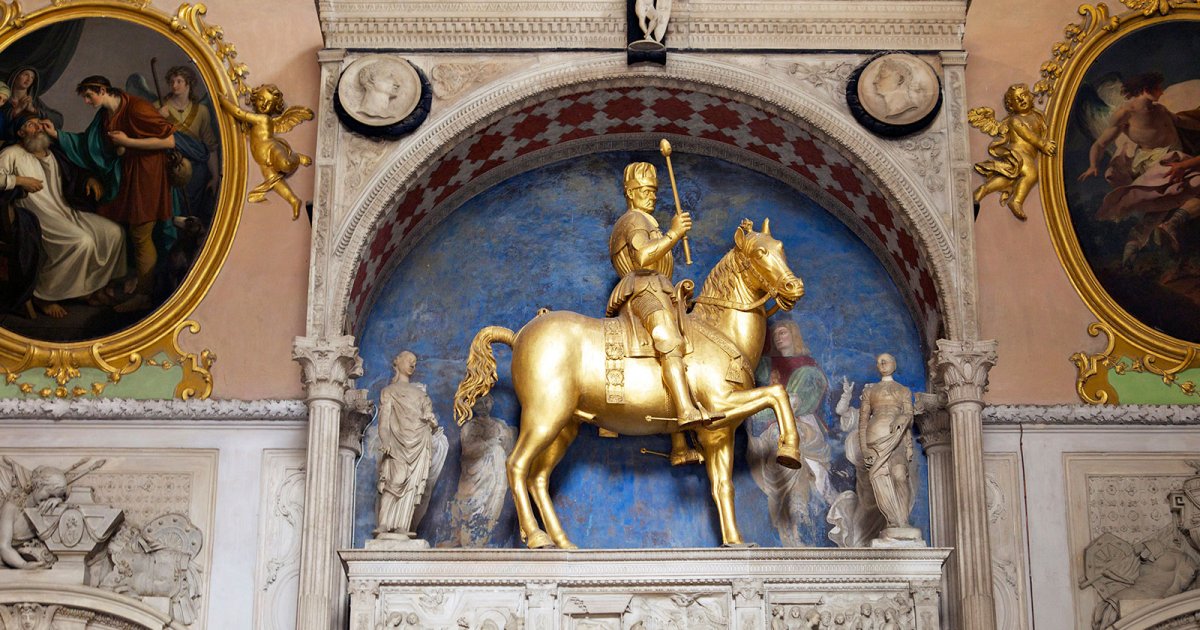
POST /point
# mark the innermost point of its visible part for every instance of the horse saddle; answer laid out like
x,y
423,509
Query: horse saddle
x,y
636,339
625,337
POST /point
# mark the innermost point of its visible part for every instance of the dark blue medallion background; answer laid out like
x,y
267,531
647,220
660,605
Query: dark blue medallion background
x,y
540,240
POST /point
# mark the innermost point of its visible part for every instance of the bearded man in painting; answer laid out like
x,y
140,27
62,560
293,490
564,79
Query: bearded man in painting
x,y
81,252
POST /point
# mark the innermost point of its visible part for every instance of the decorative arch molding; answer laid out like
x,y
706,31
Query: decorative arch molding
x,y
87,607
821,143
1179,611
649,142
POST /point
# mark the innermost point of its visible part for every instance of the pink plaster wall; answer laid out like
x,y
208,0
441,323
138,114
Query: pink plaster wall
x,y
1026,301
256,306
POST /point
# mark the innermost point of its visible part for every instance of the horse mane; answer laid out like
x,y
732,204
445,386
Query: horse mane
x,y
722,283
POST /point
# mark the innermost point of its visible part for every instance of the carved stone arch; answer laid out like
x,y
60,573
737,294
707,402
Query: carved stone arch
x,y
1177,612
477,137
88,608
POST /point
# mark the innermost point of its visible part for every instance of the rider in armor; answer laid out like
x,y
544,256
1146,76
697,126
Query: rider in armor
x,y
641,254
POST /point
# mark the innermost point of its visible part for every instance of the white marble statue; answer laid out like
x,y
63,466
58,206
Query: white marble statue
x,y
407,431
25,535
482,485
653,17
854,515
885,439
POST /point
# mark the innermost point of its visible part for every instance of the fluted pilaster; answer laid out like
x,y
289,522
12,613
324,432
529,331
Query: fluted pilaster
x,y
933,426
329,367
963,367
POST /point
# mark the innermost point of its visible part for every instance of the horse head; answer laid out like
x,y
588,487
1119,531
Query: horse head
x,y
767,268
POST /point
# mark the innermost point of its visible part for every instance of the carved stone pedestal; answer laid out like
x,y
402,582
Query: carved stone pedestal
x,y
741,589
396,542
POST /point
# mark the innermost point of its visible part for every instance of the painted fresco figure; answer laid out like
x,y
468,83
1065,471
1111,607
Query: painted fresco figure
x,y
641,255
1153,173
126,145
407,426
790,492
486,443
885,437
183,109
81,252
25,100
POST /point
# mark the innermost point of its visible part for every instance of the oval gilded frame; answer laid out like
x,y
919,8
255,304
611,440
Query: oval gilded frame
x,y
127,350
1144,348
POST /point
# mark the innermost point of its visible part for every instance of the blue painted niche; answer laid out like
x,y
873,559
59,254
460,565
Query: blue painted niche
x,y
539,240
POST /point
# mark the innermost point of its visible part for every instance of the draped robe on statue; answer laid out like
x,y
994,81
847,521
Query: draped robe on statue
x,y
406,451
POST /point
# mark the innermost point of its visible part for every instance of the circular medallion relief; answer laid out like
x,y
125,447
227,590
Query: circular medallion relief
x,y
894,94
378,91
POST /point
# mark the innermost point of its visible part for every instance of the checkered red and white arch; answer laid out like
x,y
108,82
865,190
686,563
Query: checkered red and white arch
x,y
658,111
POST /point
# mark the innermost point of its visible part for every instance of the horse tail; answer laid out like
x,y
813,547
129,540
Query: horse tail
x,y
481,370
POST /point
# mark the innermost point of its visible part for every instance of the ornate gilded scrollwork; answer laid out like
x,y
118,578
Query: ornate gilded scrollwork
x,y
1085,189
41,365
1096,20
1149,7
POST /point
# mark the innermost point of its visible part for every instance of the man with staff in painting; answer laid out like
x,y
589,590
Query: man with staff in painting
x,y
126,145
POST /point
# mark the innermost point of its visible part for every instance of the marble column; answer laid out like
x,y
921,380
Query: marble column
x,y
963,367
358,413
933,425
329,367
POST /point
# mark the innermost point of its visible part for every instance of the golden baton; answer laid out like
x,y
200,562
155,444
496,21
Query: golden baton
x,y
665,148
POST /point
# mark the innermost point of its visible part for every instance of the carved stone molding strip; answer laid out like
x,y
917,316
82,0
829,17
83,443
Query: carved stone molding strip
x,y
1001,415
646,566
699,24
103,409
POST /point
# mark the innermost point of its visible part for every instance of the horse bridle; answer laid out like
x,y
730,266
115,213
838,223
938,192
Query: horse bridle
x,y
743,265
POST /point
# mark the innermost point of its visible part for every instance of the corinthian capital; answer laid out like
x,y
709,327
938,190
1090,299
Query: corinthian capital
x,y
359,411
964,367
329,365
933,421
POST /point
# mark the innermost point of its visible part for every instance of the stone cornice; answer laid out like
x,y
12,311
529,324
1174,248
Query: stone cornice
x,y
1144,415
695,25
104,409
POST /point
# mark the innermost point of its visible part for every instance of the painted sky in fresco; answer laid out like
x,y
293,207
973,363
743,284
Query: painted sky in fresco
x,y
540,240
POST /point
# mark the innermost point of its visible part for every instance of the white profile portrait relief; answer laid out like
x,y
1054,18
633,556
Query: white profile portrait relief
x,y
898,89
379,90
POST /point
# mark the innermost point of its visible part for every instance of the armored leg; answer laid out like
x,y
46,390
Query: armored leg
x,y
669,345
675,378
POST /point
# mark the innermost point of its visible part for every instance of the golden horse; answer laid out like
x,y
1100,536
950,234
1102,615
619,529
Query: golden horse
x,y
559,371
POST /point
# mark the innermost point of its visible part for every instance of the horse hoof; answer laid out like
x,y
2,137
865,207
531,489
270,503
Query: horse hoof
x,y
540,540
789,457
740,545
568,545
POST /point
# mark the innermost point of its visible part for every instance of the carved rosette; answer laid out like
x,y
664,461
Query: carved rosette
x,y
964,367
329,366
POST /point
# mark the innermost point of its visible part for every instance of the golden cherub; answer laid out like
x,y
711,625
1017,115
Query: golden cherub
x,y
1020,141
274,155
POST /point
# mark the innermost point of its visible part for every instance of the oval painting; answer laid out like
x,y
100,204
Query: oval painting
x,y
1131,180
110,168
